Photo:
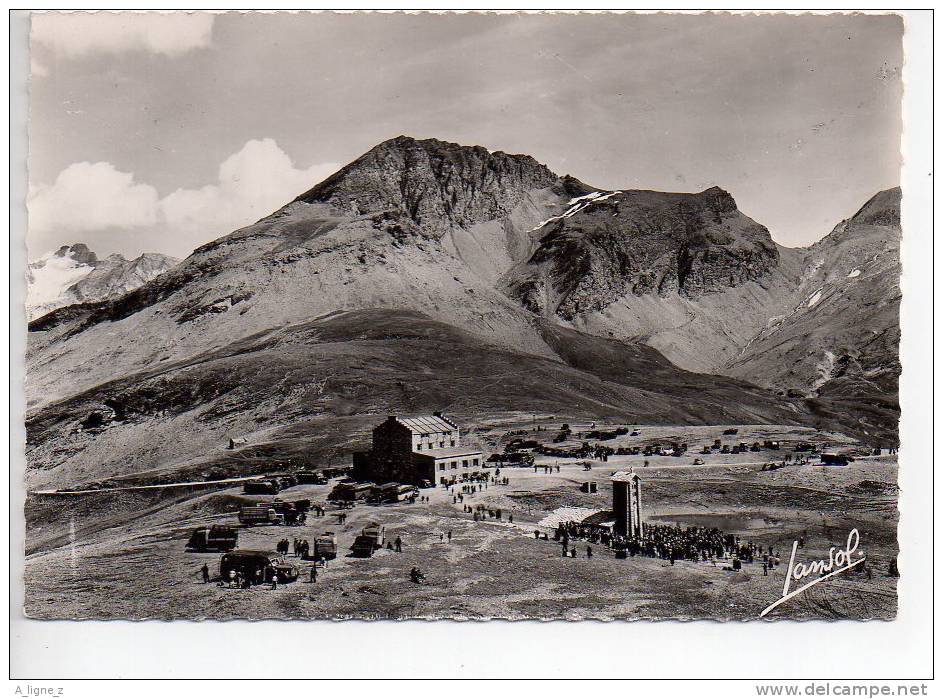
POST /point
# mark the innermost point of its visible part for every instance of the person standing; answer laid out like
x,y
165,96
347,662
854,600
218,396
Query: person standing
x,y
206,573
314,573
450,536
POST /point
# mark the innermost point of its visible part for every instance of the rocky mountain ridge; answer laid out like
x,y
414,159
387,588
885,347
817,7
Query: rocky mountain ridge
x,y
528,266
838,345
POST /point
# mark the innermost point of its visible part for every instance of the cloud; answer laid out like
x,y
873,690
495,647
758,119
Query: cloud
x,y
76,34
91,196
253,183
96,203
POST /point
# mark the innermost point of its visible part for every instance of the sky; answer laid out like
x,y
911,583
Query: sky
x,y
161,132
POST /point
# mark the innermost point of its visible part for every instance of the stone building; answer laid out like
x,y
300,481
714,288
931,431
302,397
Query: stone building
x,y
627,504
413,449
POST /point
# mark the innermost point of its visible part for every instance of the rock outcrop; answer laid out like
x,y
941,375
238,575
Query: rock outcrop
x,y
430,185
641,243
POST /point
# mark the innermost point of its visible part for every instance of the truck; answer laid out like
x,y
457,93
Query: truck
x,y
256,566
837,459
250,515
290,512
325,546
376,533
262,487
215,538
363,547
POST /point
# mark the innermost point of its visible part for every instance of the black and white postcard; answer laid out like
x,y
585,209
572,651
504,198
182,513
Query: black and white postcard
x,y
463,316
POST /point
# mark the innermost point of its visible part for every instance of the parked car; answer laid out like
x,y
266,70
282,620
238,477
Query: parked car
x,y
258,566
325,545
285,480
311,478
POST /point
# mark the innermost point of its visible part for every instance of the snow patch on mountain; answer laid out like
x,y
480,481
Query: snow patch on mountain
x,y
576,205
50,276
824,369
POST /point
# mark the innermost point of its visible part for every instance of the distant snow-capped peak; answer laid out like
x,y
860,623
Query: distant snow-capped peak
x,y
74,274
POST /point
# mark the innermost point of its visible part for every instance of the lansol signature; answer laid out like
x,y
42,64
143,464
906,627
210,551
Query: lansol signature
x,y
839,560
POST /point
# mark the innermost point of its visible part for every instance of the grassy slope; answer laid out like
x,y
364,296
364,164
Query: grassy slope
x,y
311,392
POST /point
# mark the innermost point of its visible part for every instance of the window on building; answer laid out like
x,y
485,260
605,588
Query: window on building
x,y
441,445
453,443
455,464
441,467
464,463
418,447
474,462
430,445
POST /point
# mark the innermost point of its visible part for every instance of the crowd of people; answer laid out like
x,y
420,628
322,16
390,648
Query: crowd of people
x,y
299,547
671,543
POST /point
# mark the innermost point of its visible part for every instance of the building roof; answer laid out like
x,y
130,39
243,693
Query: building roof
x,y
562,515
425,424
624,476
603,518
449,452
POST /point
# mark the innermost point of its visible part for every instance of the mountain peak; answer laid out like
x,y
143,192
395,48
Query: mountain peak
x,y
78,252
720,199
434,184
883,209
